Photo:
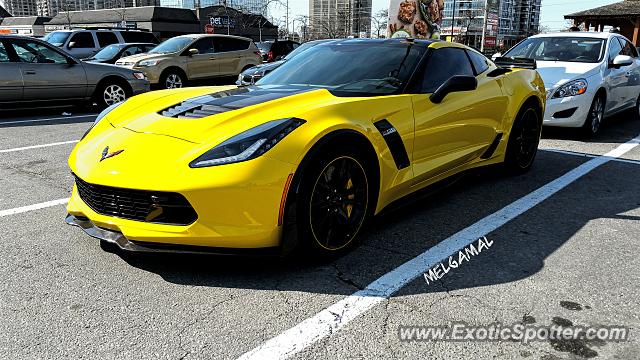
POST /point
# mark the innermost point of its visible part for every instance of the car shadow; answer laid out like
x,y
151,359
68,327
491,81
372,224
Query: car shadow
x,y
419,223
616,129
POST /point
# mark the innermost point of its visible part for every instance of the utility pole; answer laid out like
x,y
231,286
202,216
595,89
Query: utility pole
x,y
287,19
484,26
453,18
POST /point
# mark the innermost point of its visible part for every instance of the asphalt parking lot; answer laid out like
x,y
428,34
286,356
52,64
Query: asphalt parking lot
x,y
569,254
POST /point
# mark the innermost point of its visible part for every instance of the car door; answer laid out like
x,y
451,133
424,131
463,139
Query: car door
x,y
229,54
615,80
204,64
463,125
632,88
47,73
82,45
11,85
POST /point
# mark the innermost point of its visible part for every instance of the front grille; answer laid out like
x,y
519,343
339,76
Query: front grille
x,y
148,206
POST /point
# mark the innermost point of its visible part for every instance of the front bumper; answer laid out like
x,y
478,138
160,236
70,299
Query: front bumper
x,y
139,86
568,112
118,239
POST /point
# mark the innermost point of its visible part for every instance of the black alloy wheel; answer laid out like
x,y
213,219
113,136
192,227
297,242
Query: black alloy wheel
x,y
523,141
339,203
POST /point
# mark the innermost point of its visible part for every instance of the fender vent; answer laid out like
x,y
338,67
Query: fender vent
x,y
394,142
492,148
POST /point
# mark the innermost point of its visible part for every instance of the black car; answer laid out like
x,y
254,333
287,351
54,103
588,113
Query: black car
x,y
251,75
111,53
276,50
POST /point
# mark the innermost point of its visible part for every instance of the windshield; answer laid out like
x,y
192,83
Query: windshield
x,y
347,68
265,45
569,49
172,45
302,48
107,53
57,38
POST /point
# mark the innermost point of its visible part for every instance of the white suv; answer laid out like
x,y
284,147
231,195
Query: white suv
x,y
84,43
588,76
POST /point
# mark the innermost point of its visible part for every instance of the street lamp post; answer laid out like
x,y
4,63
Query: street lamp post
x,y
453,18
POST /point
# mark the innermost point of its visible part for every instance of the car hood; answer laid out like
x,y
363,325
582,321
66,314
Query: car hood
x,y
212,115
139,57
264,67
556,73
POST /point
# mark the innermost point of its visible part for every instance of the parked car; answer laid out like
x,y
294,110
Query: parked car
x,y
113,53
36,73
251,75
276,50
331,139
588,76
84,43
189,57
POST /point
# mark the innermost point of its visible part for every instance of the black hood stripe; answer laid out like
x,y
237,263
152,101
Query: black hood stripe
x,y
216,103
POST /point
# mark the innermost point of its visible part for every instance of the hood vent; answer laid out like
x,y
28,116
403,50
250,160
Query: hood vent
x,y
216,103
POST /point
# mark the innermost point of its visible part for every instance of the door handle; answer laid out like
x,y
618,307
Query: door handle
x,y
212,58
29,72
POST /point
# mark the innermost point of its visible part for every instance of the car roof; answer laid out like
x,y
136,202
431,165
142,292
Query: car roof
x,y
373,42
200,36
579,34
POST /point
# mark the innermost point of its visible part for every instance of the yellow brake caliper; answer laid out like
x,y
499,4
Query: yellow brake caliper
x,y
350,197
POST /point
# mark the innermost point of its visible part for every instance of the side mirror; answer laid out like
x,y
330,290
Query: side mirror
x,y
455,84
495,56
71,45
621,60
193,52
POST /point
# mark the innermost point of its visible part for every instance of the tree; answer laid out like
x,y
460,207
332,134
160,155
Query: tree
x,y
380,21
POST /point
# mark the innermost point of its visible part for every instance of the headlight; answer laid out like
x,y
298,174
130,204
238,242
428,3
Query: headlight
x,y
572,88
249,144
148,63
102,114
139,76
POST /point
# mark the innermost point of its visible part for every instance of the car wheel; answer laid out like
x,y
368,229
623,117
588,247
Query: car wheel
x,y
594,118
524,138
172,80
111,93
332,203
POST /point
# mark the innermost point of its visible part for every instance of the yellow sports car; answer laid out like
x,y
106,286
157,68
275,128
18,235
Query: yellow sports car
x,y
303,158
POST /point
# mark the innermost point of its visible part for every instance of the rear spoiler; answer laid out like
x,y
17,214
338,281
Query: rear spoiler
x,y
510,63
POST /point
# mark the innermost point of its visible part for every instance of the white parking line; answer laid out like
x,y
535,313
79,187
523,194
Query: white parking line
x,y
330,320
24,209
46,119
579,154
38,146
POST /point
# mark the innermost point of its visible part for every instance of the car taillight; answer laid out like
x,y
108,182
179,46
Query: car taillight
x,y
270,56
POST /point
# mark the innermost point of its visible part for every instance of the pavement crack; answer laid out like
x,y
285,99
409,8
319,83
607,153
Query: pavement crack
x,y
344,279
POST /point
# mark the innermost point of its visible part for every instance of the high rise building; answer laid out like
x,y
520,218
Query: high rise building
x,y
245,6
340,18
516,20
20,7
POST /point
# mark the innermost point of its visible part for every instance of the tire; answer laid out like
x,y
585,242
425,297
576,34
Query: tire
x,y
111,92
172,79
330,204
524,138
594,119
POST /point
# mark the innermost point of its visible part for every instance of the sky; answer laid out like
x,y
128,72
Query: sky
x,y
551,15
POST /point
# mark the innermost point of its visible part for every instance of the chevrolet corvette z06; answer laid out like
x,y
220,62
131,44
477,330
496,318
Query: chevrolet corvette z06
x,y
304,157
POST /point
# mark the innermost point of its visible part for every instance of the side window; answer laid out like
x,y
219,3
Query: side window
x,y
106,38
226,44
4,57
204,46
615,49
138,36
133,50
628,49
83,40
33,52
444,64
479,61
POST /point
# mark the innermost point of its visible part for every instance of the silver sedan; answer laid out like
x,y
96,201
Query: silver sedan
x,y
33,73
